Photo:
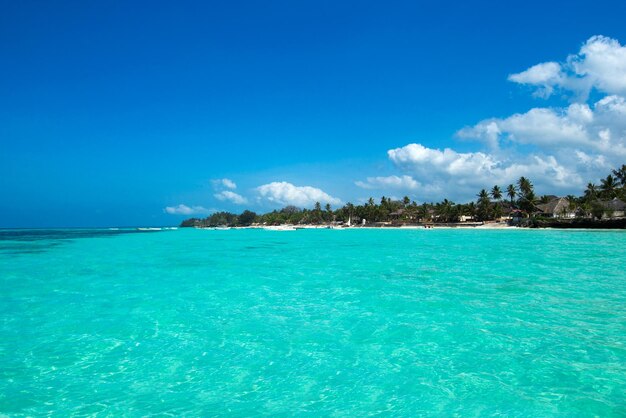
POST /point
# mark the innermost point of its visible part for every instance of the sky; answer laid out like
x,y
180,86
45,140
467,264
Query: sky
x,y
142,113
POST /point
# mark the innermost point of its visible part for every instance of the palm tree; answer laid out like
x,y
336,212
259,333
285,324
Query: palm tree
x,y
591,193
423,212
496,192
349,207
525,186
608,186
620,173
484,205
444,210
471,209
528,202
511,192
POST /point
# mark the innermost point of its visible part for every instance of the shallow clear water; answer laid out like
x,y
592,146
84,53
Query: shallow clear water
x,y
315,322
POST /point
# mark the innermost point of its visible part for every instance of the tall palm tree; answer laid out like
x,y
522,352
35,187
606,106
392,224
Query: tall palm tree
x,y
620,173
483,205
444,210
496,192
423,212
349,207
608,186
471,209
591,192
525,186
511,192
528,202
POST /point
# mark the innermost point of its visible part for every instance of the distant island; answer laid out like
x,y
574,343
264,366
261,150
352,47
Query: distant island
x,y
600,206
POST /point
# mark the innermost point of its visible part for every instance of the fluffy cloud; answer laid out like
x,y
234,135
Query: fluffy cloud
x,y
597,129
461,174
560,148
224,183
422,161
582,140
227,195
186,210
545,76
600,64
233,197
542,126
284,193
474,168
390,182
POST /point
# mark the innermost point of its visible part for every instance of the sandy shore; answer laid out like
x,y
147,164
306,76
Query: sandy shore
x,y
430,226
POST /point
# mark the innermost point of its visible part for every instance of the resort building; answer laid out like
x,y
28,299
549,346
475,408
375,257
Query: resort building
x,y
558,207
613,208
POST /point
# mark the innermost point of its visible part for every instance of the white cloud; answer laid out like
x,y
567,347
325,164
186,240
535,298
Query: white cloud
x,y
542,126
600,64
596,130
560,148
422,160
546,76
186,210
602,61
390,182
460,174
233,197
601,129
284,193
224,183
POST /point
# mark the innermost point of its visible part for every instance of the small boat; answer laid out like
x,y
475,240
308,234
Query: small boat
x,y
280,228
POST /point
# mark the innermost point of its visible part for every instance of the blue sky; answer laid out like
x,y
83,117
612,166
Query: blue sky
x,y
116,113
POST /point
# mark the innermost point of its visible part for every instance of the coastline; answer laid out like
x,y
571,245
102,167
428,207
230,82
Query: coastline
x,y
385,227
597,226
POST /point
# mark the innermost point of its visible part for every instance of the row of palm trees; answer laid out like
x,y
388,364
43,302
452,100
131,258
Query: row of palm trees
x,y
491,204
524,191
612,186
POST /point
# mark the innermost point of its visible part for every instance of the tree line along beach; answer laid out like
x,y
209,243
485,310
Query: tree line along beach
x,y
600,206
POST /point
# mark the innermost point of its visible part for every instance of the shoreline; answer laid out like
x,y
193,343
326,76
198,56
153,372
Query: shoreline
x,y
411,228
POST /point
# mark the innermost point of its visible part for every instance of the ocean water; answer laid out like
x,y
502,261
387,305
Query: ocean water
x,y
313,323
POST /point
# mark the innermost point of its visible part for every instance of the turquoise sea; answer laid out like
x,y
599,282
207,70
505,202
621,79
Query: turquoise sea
x,y
313,323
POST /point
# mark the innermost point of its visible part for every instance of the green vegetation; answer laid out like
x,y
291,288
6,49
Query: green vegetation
x,y
522,204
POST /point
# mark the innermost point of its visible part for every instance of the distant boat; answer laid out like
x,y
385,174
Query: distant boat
x,y
280,228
